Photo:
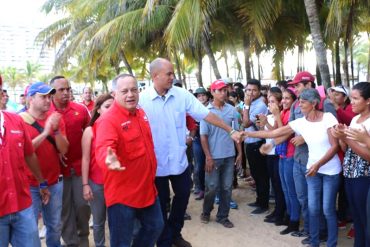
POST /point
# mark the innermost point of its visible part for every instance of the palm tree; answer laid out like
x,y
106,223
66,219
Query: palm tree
x,y
318,41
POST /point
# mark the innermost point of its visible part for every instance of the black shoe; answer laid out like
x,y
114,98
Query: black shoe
x,y
259,210
180,242
253,204
293,226
270,220
281,222
306,241
300,234
187,216
272,215
204,218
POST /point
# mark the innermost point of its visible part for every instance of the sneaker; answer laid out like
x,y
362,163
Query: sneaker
x,y
233,205
187,216
200,196
300,234
259,210
342,224
253,204
42,232
306,241
351,233
180,242
204,218
217,200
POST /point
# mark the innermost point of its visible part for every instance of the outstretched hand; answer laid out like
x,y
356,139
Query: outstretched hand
x,y
112,162
237,136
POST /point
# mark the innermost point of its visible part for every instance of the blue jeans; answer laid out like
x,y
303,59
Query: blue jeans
x,y
51,212
199,160
121,221
220,181
322,192
357,190
19,229
299,174
173,213
288,186
99,212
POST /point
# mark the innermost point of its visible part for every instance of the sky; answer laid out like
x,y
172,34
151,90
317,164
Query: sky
x,y
24,12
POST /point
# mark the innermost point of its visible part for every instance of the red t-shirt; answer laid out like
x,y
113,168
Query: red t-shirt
x,y
285,119
15,144
89,106
47,155
130,137
95,172
345,115
76,118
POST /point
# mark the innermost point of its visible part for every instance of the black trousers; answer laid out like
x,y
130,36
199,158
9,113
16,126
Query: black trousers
x,y
259,172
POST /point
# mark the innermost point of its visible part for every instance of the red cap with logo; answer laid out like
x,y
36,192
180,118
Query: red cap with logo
x,y
216,85
302,76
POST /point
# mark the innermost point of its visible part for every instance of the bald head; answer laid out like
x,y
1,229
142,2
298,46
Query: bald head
x,y
161,71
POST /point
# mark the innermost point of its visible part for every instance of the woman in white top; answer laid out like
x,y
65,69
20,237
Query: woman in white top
x,y
323,166
356,166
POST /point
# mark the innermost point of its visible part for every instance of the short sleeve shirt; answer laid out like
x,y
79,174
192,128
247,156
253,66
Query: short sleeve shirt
x,y
317,139
220,143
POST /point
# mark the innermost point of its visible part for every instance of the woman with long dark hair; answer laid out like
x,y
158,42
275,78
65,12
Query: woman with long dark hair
x,y
92,177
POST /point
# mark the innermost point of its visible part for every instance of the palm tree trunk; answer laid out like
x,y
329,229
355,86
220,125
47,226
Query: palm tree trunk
x,y
338,75
200,66
345,63
318,41
226,64
211,57
258,66
352,66
247,56
125,61
178,69
333,61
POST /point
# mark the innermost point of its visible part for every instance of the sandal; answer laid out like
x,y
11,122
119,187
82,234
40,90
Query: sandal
x,y
226,223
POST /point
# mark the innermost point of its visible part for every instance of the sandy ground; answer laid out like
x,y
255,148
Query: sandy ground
x,y
248,231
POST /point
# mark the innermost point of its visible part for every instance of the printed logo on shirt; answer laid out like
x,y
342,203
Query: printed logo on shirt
x,y
125,125
145,118
16,131
77,113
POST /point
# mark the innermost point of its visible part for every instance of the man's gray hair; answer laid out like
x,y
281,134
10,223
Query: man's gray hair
x,y
115,80
311,95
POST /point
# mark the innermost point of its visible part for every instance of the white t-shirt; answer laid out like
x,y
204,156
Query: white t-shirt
x,y
355,125
317,139
271,121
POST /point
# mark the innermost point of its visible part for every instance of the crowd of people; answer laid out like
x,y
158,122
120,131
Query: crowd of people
x,y
133,158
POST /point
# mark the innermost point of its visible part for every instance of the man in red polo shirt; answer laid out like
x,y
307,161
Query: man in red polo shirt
x,y
17,223
75,211
87,99
47,131
125,151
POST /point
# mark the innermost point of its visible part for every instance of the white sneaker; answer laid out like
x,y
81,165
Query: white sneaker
x,y
42,232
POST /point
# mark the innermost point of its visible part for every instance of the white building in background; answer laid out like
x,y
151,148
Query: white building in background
x,y
17,46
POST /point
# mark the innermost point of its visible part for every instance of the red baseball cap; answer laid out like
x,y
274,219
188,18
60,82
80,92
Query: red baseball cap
x,y
302,76
216,85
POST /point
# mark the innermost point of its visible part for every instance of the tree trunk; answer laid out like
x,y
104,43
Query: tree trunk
x,y
345,64
318,76
333,62
318,42
226,64
300,57
247,56
200,67
258,66
208,50
352,67
125,61
338,75
178,68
